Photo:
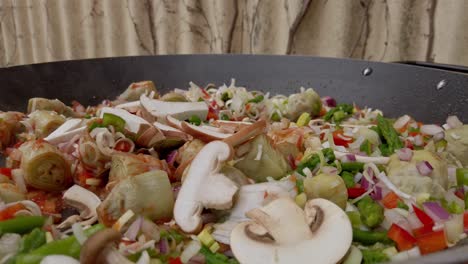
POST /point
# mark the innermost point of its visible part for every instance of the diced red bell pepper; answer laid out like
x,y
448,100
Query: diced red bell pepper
x,y
10,211
340,140
212,114
6,172
175,261
355,192
391,200
423,217
432,242
402,238
418,232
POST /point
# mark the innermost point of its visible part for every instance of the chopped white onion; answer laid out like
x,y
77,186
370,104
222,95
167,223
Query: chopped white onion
x,y
123,220
144,258
431,129
18,177
418,140
454,122
358,177
401,122
79,233
259,152
190,250
454,228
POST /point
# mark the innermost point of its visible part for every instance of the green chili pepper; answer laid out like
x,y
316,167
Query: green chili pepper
x,y
112,120
256,100
355,218
275,117
348,179
462,176
195,120
372,214
370,237
32,241
366,147
68,246
352,166
390,136
339,113
21,224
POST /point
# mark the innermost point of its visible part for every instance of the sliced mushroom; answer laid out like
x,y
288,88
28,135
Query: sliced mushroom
x,y
246,133
230,126
147,134
204,187
203,132
179,110
172,132
85,201
66,131
250,197
281,232
100,248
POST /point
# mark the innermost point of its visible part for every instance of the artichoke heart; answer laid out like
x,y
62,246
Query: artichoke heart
x,y
9,193
263,161
55,105
135,90
45,122
124,165
9,125
149,194
457,143
44,166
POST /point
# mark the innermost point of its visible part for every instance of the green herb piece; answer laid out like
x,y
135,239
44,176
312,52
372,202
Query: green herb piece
x,y
112,120
339,113
195,120
389,135
372,213
373,256
352,166
366,147
256,100
348,179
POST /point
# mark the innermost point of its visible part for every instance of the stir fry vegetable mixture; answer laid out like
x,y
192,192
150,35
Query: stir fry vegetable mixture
x,y
225,175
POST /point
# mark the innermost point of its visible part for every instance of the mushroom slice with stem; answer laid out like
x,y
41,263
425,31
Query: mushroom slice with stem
x,y
281,232
100,248
85,201
231,126
179,110
250,197
203,133
204,187
66,131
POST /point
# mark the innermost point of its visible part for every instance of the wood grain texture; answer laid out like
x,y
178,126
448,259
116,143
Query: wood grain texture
x,y
33,31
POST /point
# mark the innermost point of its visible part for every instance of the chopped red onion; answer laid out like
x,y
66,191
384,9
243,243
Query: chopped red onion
x,y
435,211
197,259
454,122
431,129
365,183
377,193
329,170
329,101
401,122
133,229
348,158
405,154
424,168
418,140
164,246
171,157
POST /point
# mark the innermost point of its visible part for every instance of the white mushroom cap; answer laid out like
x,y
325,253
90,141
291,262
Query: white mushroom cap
x,y
85,201
281,232
133,123
66,131
250,197
179,110
204,187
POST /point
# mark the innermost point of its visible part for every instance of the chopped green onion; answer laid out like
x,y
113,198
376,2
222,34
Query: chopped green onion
x,y
112,120
402,205
303,120
195,120
352,166
275,117
462,176
256,100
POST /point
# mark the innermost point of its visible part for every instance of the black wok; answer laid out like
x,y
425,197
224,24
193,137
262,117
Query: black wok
x,y
427,94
